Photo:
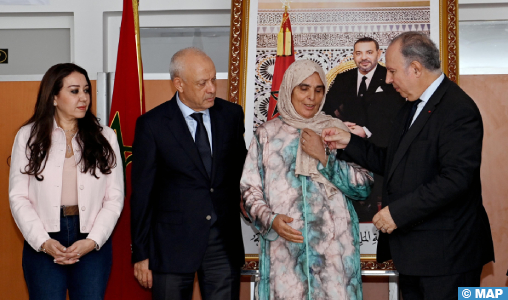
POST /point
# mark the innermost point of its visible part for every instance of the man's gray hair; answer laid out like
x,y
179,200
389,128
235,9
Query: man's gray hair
x,y
416,46
176,65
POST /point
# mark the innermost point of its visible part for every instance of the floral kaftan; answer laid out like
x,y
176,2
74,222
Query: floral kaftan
x,y
327,264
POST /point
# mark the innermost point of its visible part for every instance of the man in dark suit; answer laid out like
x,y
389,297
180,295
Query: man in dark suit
x,y
188,156
367,105
433,222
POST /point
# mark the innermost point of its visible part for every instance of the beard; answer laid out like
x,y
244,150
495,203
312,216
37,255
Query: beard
x,y
369,67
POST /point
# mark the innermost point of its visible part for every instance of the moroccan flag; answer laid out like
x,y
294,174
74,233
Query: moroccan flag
x,y
127,105
285,57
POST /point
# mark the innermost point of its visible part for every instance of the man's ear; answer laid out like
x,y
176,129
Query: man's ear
x,y
416,67
178,83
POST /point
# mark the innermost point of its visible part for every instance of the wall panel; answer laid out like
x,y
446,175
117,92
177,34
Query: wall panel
x,y
490,92
159,91
17,100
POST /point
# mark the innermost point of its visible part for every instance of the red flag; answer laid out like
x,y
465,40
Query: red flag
x,y
285,57
127,105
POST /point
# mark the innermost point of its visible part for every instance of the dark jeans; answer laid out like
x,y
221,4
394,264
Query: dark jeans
x,y
85,280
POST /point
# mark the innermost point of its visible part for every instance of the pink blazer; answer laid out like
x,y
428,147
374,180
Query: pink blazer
x,y
35,205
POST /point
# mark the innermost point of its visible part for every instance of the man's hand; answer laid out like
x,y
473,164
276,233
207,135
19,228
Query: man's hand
x,y
313,145
383,221
356,129
143,274
336,138
285,231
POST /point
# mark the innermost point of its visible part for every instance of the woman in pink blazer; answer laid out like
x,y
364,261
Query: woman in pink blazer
x,y
66,190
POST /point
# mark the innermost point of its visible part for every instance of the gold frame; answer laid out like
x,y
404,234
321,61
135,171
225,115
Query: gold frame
x,y
237,75
238,45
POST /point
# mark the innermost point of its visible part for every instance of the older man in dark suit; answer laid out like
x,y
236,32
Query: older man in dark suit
x,y
368,105
188,158
433,222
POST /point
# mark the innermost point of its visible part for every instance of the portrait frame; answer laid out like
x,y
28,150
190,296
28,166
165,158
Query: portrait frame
x,y
241,10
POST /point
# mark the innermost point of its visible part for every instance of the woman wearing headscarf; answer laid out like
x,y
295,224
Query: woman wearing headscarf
x,y
298,195
66,190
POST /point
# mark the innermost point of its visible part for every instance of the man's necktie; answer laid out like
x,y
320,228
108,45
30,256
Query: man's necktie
x,y
411,115
203,143
363,87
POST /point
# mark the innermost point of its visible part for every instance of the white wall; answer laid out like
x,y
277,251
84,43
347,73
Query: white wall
x,y
483,10
87,22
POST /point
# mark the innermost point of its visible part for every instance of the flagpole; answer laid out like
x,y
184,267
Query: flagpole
x,y
135,10
284,57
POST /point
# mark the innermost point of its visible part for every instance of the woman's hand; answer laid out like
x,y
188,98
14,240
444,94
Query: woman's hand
x,y
313,145
244,212
60,254
80,248
285,231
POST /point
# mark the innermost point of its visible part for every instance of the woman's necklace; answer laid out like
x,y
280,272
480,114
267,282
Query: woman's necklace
x,y
69,147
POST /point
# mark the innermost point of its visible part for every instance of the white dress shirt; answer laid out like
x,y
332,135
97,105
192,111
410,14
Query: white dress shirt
x,y
426,96
193,124
367,82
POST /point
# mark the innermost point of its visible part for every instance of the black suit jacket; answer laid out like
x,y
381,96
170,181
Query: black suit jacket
x,y
375,111
172,194
432,187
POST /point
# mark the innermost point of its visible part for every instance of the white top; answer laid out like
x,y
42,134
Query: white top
x,y
35,205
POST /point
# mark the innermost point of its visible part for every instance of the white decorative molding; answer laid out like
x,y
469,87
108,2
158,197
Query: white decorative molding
x,y
37,77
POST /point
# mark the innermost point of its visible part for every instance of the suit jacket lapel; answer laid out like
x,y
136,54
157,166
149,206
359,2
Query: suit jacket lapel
x,y
178,127
376,81
417,126
216,137
352,86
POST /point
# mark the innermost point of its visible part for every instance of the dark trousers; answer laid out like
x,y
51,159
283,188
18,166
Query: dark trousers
x,y
217,277
85,280
437,287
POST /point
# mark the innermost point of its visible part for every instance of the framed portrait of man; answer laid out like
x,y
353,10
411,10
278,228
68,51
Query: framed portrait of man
x,y
325,31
